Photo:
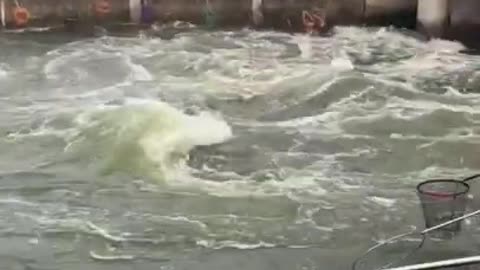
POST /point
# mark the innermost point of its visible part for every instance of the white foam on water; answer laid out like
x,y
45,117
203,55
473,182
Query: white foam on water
x,y
152,138
326,117
53,67
183,219
212,244
342,63
17,201
146,137
305,45
4,70
385,202
138,72
99,257
39,132
72,63
303,186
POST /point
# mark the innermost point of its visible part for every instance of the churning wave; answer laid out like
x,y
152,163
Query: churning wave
x,y
145,138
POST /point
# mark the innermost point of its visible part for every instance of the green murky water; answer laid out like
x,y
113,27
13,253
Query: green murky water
x,y
226,150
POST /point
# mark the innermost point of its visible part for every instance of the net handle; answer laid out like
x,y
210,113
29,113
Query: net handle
x,y
388,241
475,176
421,233
471,214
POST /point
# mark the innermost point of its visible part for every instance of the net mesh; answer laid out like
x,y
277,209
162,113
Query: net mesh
x,y
444,203
390,252
443,200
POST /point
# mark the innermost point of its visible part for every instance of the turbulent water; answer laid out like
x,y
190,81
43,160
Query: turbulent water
x,y
226,150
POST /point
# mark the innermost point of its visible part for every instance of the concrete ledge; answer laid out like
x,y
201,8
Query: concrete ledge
x,y
346,12
380,8
278,14
284,15
220,12
54,12
391,12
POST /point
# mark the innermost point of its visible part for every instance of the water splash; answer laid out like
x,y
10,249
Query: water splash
x,y
145,138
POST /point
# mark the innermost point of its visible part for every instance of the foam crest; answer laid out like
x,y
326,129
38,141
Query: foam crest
x,y
3,70
146,138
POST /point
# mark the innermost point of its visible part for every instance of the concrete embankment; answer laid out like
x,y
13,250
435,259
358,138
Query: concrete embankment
x,y
456,19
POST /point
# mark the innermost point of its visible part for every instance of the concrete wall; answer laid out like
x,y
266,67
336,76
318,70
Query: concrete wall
x,y
463,20
281,14
384,12
223,13
54,12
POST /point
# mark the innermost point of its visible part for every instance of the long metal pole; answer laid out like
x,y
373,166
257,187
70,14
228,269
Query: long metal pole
x,y
444,263
450,222
440,264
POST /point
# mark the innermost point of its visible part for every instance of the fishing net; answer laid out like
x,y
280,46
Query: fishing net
x,y
390,252
443,200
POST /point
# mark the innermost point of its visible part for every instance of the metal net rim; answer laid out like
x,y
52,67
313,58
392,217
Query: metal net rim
x,y
464,191
356,263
